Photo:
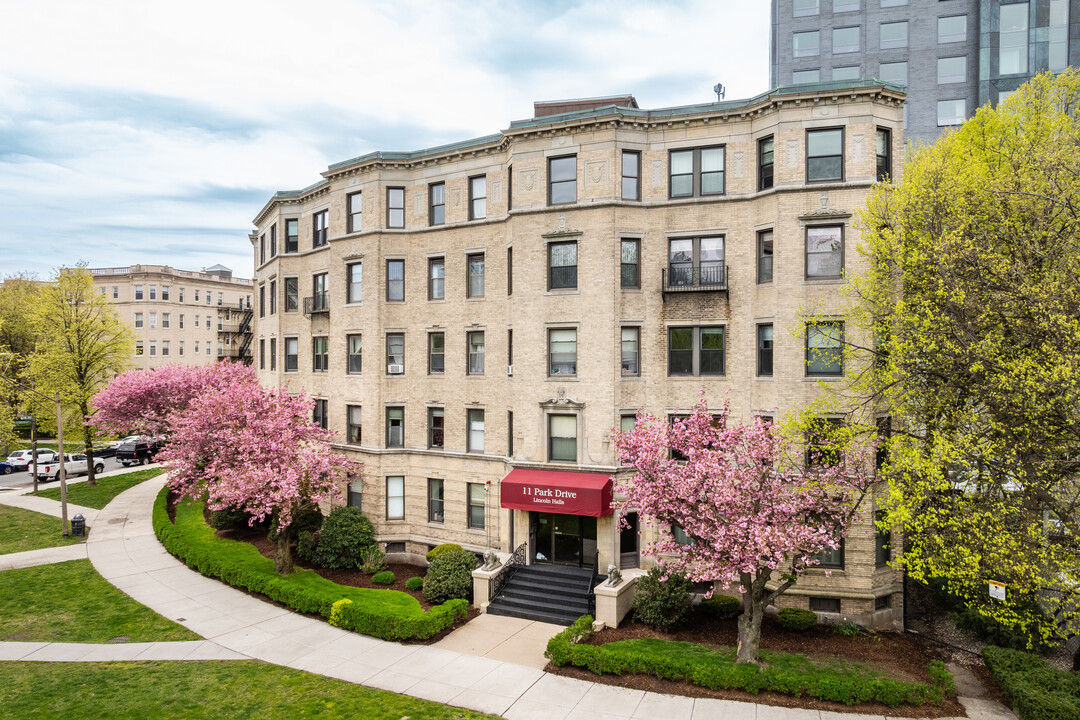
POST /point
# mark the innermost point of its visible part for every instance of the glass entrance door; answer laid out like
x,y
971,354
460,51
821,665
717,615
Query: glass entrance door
x,y
563,539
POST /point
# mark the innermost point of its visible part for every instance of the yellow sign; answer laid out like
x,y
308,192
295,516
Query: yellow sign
x,y
997,590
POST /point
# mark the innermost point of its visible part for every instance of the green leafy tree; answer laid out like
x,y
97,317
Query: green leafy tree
x,y
17,296
81,344
972,296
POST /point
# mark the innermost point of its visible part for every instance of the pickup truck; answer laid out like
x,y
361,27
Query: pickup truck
x,y
73,465
138,452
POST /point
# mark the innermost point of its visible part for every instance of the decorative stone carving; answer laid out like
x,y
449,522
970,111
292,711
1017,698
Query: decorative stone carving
x,y
791,154
495,190
491,560
738,164
561,402
419,202
596,172
561,141
528,178
614,576
857,146
658,173
455,198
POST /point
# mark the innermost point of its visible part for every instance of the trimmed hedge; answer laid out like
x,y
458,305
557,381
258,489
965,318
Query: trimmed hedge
x,y
716,669
387,614
440,549
722,606
386,577
415,583
1036,690
796,619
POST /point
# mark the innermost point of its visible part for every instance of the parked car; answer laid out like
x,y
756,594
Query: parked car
x,y
138,452
22,459
6,468
107,451
73,465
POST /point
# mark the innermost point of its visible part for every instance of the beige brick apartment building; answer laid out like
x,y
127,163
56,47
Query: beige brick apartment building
x,y
180,316
475,319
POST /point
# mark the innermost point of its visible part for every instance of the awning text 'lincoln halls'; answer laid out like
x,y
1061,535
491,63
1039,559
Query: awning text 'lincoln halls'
x,y
555,491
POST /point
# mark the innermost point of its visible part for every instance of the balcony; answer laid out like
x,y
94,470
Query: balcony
x,y
317,304
686,277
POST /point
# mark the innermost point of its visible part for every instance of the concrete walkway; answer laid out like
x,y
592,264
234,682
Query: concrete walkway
x,y
115,652
44,556
45,506
125,551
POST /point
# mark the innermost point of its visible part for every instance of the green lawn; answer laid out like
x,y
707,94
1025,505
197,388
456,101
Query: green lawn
x,y
70,602
99,495
27,530
231,689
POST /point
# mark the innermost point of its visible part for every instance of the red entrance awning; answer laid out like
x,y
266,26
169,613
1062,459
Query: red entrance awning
x,y
555,491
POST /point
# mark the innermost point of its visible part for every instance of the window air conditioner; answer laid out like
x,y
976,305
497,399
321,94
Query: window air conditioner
x,y
509,369
395,369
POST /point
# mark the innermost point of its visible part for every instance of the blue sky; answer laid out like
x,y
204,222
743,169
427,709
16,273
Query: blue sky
x,y
147,132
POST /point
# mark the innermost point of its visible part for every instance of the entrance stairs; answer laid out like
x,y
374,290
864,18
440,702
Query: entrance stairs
x,y
549,593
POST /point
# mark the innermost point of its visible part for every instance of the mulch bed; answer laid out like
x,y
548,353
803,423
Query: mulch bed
x,y
895,655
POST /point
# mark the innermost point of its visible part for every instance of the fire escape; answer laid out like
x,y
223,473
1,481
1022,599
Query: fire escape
x,y
234,331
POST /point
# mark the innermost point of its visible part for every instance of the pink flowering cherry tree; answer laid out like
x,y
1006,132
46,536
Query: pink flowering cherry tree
x,y
749,514
254,449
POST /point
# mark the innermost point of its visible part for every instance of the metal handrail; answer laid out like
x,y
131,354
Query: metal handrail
x,y
498,581
593,582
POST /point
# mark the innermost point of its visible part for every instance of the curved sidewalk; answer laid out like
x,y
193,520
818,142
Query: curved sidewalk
x,y
124,549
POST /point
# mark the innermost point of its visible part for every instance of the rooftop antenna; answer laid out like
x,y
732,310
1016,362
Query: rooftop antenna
x,y
720,91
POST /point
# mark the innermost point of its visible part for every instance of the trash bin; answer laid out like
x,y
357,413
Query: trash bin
x,y
78,526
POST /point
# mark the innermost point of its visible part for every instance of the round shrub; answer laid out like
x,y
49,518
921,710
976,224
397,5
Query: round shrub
x,y
449,576
722,606
440,549
228,519
345,537
796,619
414,583
383,578
661,604
309,519
306,544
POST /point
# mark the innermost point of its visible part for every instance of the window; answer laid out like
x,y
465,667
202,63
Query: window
x,y
319,223
262,303
631,175
562,265
292,354
696,261
164,320
292,236
153,319
829,605
509,271
356,494
847,72
181,321
395,497
207,347
436,353
627,422
882,539
318,415
630,351
353,417
436,422
475,421
435,500
805,8
822,444
951,70
630,265
207,322
196,296
395,426
1059,35
354,345
436,278
806,44
320,292
894,72
395,280
562,180
395,207
765,256
475,287
273,299
839,6
196,347
696,351
180,348
476,502
292,294
355,202
510,434
509,188
806,76
824,155
765,162
951,112
952,29
164,347
883,151
273,353
894,35
138,320
273,240
845,40
824,349
478,197
562,352
437,203
320,354
354,282
696,172
395,353
139,347
164,292
139,292
884,432
476,353
116,293
764,350
1013,40
562,438
153,348
153,292
831,558
510,348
